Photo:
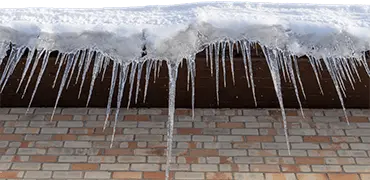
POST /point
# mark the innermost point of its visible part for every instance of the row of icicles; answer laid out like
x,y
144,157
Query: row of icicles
x,y
280,63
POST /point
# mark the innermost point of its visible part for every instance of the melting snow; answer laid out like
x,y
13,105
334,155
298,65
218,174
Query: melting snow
x,y
332,36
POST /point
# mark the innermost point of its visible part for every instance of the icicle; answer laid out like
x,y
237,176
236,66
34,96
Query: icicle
x,y
245,48
295,61
281,65
231,56
3,52
106,63
159,68
35,63
121,88
98,58
217,61
42,70
80,64
191,69
63,82
13,61
138,79
315,70
237,46
272,63
329,66
288,60
354,68
86,68
211,58
111,92
188,76
132,80
75,60
57,59
249,57
223,61
58,71
26,67
149,66
207,59
172,73
155,70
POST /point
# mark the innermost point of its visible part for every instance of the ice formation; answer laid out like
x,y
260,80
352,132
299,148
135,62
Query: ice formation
x,y
332,37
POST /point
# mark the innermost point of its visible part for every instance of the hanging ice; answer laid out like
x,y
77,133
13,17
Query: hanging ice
x,y
147,36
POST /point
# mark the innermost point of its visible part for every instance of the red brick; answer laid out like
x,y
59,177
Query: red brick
x,y
154,175
60,118
191,160
44,158
127,175
278,176
107,131
311,176
309,160
89,131
365,176
203,152
225,160
64,137
355,119
287,113
316,139
189,131
343,177
259,139
11,137
264,168
115,152
136,118
9,174
292,168
219,176
230,125
89,167
181,112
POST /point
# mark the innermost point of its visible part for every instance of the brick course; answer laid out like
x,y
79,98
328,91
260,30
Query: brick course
x,y
219,144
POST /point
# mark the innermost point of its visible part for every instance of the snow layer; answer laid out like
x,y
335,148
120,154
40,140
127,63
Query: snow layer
x,y
174,32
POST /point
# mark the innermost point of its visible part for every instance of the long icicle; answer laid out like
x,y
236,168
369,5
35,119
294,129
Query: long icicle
x,y
231,56
172,73
15,61
121,88
97,64
223,60
75,61
217,62
250,67
138,80
149,66
315,70
132,81
81,63
30,55
111,92
34,66
59,68
63,82
43,67
86,68
272,63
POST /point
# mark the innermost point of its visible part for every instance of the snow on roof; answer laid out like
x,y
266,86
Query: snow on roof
x,y
173,32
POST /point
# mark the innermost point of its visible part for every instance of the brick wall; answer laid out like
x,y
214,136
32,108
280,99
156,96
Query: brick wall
x,y
217,144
